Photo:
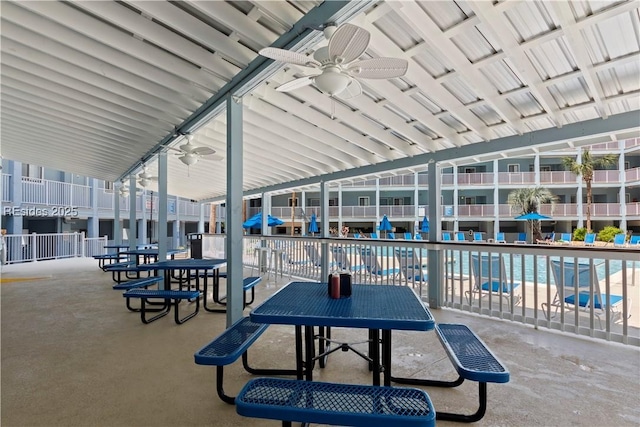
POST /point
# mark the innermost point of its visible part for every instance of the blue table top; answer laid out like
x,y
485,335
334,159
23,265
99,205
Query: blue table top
x,y
185,264
370,306
116,246
152,251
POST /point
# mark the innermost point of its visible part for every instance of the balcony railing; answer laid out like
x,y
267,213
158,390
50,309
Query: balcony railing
x,y
632,175
55,193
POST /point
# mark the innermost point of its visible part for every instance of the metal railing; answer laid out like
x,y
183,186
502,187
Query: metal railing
x,y
527,295
6,187
37,247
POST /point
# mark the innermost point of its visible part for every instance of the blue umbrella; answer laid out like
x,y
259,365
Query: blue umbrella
x,y
313,225
424,226
385,225
256,221
532,216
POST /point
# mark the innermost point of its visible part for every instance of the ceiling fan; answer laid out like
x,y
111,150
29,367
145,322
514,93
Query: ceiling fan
x,y
124,189
189,154
145,178
338,64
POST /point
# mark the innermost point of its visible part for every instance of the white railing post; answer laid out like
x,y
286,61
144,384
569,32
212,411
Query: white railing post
x,y
82,240
34,238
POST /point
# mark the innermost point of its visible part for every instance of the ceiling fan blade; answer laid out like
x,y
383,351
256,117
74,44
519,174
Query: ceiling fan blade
x,y
289,57
214,157
352,90
295,84
348,43
203,151
379,68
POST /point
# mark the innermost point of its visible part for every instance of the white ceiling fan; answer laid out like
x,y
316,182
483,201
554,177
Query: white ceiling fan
x,y
145,178
337,66
189,154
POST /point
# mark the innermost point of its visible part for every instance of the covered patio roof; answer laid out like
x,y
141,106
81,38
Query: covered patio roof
x,y
99,88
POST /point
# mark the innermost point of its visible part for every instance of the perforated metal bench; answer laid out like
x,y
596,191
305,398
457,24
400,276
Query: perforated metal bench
x,y
334,404
248,284
473,361
137,284
127,267
108,259
168,296
227,347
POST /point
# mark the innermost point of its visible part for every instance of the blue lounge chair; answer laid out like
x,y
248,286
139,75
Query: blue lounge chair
x,y
446,236
634,241
374,235
491,277
391,235
408,236
565,238
619,240
500,237
411,266
460,237
357,236
377,267
477,237
570,279
418,236
590,239
522,239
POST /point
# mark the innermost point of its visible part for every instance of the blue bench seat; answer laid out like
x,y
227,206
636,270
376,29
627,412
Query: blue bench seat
x,y
227,347
145,282
103,258
130,269
335,404
248,284
168,296
473,361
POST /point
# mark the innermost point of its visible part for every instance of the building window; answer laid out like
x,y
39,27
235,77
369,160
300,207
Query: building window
x,y
291,203
310,202
32,171
545,168
108,185
363,201
514,168
469,170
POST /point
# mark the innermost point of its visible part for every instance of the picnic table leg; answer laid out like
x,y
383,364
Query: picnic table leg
x,y
375,355
216,291
386,356
309,352
299,362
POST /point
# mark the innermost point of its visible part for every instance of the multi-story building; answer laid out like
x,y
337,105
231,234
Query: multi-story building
x,y
40,200
474,195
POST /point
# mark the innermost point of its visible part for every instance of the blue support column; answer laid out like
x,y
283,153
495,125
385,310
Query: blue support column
x,y
14,223
324,225
132,211
234,210
117,225
435,285
93,222
162,206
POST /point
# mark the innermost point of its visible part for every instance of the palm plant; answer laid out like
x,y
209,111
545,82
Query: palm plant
x,y
585,168
527,200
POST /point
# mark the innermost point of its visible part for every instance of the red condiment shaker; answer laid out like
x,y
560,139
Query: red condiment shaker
x,y
335,286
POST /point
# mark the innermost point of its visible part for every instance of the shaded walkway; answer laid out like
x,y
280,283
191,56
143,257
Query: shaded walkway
x,y
72,355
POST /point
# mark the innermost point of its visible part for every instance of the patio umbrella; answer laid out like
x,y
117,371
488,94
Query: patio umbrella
x,y
385,225
313,225
256,221
424,225
532,216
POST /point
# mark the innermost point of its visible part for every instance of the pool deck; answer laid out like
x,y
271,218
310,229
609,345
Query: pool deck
x,y
72,355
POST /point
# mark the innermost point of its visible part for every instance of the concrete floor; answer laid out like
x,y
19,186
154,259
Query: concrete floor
x,y
72,355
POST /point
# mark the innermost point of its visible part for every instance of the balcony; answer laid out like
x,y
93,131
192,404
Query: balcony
x,y
46,192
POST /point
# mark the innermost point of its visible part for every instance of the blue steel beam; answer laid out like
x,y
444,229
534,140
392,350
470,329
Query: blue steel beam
x,y
258,69
569,132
